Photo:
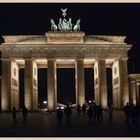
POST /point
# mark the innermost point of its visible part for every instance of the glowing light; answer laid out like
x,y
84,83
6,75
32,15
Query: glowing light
x,y
62,107
44,102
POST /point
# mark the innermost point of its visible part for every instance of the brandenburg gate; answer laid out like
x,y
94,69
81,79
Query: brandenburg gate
x,y
63,48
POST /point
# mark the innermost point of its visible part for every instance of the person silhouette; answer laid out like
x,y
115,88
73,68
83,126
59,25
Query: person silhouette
x,y
110,113
68,114
14,112
127,111
84,109
78,109
24,113
90,112
99,113
59,115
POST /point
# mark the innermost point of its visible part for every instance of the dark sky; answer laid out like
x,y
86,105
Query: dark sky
x,y
103,19
96,19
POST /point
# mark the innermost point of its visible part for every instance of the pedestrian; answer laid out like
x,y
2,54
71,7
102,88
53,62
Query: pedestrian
x,y
94,107
127,111
24,112
84,109
137,109
68,113
59,115
110,113
14,112
90,113
78,109
99,113
133,115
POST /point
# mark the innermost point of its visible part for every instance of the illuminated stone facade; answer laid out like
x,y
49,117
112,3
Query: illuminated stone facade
x,y
63,50
134,84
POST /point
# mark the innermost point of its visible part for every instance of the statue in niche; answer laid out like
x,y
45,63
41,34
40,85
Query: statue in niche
x,y
53,25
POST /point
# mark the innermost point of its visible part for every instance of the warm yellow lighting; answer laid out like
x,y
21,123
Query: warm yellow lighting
x,y
109,61
20,61
89,60
41,61
65,60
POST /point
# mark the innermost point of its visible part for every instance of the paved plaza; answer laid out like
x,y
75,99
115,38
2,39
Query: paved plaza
x,y
46,125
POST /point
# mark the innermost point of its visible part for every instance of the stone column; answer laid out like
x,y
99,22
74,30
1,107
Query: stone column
x,y
137,93
124,81
30,85
100,83
133,91
130,90
51,81
10,85
6,85
116,84
35,86
80,82
120,82
96,84
14,85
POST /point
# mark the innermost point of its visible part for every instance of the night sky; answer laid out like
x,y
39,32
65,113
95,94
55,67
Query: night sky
x,y
96,19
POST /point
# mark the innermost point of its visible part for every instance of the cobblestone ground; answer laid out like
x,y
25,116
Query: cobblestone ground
x,y
46,125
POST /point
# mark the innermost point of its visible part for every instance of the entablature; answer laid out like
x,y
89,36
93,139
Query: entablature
x,y
71,51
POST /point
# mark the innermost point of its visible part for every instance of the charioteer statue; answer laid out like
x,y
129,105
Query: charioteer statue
x,y
65,25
